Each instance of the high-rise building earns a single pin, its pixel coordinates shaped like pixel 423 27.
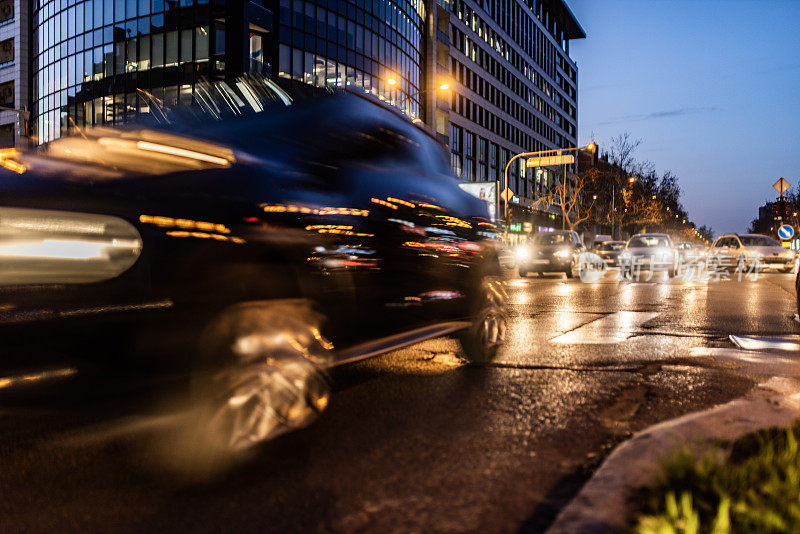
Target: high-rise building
pixel 13 71
pixel 516 90
pixel 490 78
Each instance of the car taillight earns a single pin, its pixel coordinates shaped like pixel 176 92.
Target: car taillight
pixel 59 247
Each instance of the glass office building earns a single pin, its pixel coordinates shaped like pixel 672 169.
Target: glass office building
pixel 376 45
pixel 101 61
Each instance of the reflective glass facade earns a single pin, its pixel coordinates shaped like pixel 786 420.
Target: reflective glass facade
pixel 359 43
pixel 100 61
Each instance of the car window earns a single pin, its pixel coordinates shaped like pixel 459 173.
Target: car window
pixel 550 239
pixel 758 241
pixel 611 246
pixel 648 241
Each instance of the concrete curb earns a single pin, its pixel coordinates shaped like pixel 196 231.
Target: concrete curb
pixel 602 504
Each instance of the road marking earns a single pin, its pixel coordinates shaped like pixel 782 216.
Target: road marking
pixel 791 343
pixel 612 328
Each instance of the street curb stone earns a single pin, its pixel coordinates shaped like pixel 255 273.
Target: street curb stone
pixel 602 505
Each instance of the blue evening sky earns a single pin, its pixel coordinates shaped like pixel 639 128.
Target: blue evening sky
pixel 711 87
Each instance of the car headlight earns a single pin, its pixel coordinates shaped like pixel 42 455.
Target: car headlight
pixel 562 253
pixel 523 253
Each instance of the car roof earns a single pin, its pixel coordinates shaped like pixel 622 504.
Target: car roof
pixel 648 234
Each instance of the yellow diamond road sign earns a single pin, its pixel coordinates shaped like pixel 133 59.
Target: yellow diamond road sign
pixel 781 186
pixel 507 194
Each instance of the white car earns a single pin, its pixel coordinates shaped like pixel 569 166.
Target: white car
pixel 649 252
pixel 745 251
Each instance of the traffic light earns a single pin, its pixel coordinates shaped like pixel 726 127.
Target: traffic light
pixel 780 209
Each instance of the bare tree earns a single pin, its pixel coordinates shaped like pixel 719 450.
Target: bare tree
pixel 622 150
pixel 571 197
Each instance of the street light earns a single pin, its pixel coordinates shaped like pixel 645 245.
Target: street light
pixel 592 147
pixel 444 86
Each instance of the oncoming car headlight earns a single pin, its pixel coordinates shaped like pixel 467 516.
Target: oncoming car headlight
pixel 523 252
pixel 562 253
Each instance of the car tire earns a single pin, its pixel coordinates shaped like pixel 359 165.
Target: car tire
pixel 570 272
pixel 787 269
pixel 261 373
pixel 487 329
pixel 523 274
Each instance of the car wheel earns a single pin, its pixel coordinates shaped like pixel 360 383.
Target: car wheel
pixel 570 272
pixel 261 374
pixel 787 269
pixel 523 274
pixel 487 330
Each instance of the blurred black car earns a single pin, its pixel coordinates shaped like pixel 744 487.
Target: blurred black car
pixel 609 251
pixel 547 252
pixel 241 258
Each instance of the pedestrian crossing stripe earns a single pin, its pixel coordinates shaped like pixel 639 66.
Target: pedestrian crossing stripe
pixel 613 328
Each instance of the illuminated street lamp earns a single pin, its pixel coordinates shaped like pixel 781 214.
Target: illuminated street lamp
pixel 443 86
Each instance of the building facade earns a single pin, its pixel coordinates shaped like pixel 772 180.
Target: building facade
pixel 491 78
pixel 516 91
pixel 13 71
pixel 103 61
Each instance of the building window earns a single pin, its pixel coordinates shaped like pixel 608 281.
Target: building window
pixel 7 135
pixel 6 10
pixel 469 145
pixel 455 163
pixel 6 52
pixel 455 138
pixel 7 94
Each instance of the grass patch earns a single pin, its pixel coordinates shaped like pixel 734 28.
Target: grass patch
pixel 752 485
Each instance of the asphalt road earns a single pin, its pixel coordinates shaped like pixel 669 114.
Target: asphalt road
pixel 417 440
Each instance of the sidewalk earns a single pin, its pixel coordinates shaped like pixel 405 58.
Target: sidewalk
pixel 602 505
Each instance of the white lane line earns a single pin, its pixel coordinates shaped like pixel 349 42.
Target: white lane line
pixel 791 343
pixel 612 328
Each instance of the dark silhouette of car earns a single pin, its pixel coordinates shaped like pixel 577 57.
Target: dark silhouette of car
pixel 244 258
pixel 609 251
pixel 547 252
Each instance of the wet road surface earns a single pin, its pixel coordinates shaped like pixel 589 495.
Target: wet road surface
pixel 417 440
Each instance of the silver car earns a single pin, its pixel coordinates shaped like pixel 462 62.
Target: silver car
pixel 746 251
pixel 649 252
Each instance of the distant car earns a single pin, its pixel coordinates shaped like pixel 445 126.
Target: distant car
pixel 649 252
pixel 599 239
pixel 744 251
pixel 701 253
pixel 686 251
pixel 609 251
pixel 549 252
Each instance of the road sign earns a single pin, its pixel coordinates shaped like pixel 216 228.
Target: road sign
pixel 507 194
pixel 551 160
pixel 786 232
pixel 781 186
